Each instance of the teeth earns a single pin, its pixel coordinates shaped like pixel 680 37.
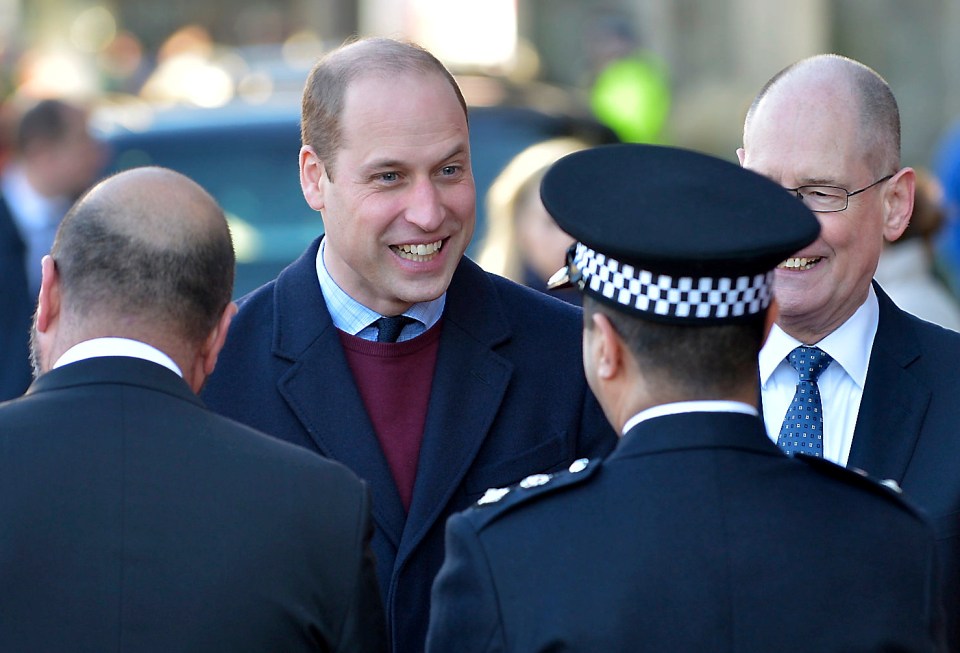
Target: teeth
pixel 418 253
pixel 799 263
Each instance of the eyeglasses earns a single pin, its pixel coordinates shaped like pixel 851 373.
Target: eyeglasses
pixel 829 199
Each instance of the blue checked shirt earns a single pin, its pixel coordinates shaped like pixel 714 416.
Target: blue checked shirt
pixel 354 318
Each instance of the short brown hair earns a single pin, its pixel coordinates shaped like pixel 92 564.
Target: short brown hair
pixel 328 81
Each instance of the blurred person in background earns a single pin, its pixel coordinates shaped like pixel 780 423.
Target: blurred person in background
pixel 827 128
pixel 383 346
pixel 133 518
pixel 55 159
pixel 946 166
pixel 907 270
pixel 522 242
pixel 628 84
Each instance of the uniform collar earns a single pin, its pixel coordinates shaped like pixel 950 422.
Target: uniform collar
pixel 679 407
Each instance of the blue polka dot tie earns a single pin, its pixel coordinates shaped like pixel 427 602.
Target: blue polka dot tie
pixel 802 430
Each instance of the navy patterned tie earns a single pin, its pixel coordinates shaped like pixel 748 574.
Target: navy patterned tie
pixel 802 430
pixel 389 328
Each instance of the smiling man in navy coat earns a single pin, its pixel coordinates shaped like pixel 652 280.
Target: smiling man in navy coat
pixel 828 128
pixel 479 388
pixel 697 533
pixel 131 517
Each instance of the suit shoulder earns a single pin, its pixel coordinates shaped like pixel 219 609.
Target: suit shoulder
pixel 927 332
pixel 535 299
pixel 497 502
pixel 887 489
pixel 265 449
pixel 257 299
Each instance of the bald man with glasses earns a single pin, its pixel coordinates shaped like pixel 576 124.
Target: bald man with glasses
pixel 845 374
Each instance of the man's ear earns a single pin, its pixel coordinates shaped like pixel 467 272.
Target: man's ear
pixel 898 203
pixel 48 301
pixel 741 155
pixel 312 174
pixel 207 359
pixel 609 351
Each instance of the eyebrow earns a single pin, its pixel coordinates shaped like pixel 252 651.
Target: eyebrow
pixel 819 181
pixel 380 164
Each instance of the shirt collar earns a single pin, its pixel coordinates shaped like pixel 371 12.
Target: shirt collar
pixel 850 344
pixel 678 407
pixel 100 347
pixel 352 317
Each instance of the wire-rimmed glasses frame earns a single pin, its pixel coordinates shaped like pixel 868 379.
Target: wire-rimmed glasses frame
pixel 829 199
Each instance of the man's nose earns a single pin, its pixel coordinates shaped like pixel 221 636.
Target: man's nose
pixel 425 208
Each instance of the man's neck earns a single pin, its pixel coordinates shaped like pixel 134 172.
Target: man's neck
pixel 812 329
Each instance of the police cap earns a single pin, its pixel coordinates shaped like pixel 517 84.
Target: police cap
pixel 670 234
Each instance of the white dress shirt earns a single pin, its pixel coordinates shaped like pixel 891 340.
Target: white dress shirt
pixel 841 383
pixel 100 347
pixel 679 407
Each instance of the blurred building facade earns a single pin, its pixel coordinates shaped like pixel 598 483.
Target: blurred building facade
pixel 717 52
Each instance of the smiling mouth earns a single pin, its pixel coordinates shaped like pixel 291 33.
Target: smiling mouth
pixel 799 263
pixel 418 253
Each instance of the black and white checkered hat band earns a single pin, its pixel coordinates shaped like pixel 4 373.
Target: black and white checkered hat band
pixel 687 298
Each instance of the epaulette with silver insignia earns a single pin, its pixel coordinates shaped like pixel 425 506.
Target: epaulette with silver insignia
pixel 888 487
pixel 525 488
pixel 493 495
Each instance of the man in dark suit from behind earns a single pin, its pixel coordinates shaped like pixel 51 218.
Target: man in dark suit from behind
pixel 697 533
pixel 132 518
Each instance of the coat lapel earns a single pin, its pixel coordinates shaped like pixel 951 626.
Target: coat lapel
pixel 894 400
pixel 321 392
pixel 470 382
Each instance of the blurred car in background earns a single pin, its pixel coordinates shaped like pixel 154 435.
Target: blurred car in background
pixel 246 156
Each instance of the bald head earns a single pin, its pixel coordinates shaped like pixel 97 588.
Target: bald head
pixel 146 250
pixel 831 122
pixel 841 89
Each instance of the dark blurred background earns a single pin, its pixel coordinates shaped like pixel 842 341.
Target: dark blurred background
pixel 673 71
pixel 717 52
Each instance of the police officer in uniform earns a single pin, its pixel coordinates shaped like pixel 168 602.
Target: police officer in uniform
pixel 697 533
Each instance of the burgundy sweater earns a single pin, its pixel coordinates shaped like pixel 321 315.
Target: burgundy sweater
pixel 394 380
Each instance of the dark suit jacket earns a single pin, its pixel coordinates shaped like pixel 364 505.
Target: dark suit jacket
pixel 508 399
pixel 908 429
pixel 133 519
pixel 697 534
pixel 16 309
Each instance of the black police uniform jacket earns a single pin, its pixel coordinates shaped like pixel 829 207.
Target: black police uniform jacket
pixel 697 534
pixel 133 519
